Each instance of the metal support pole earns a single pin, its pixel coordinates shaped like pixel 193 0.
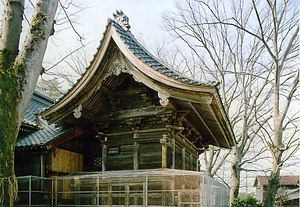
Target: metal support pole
pixel 29 193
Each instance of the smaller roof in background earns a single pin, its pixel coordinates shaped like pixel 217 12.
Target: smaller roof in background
pixel 38 103
pixel 41 133
pixel 285 180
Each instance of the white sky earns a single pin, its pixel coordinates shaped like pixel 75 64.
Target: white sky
pixel 145 18
pixel 144 15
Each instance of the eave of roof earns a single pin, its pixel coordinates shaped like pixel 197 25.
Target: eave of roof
pixel 40 138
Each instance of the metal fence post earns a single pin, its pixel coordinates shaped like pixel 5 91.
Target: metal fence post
pixel 29 192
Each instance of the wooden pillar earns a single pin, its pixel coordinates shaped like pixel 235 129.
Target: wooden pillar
pixel 173 153
pixel 174 130
pixel 104 158
pixel 136 156
pixel 192 162
pixel 164 151
pixel 183 158
pixel 42 165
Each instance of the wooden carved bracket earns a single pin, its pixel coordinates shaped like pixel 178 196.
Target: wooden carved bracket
pixel 166 141
pixel 163 99
pixel 77 111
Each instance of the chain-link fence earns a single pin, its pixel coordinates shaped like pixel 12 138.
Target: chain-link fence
pixel 163 187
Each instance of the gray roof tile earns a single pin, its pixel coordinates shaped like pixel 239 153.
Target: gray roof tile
pixel 144 55
pixel 43 133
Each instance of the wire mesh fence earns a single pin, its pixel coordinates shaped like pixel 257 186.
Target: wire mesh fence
pixel 163 187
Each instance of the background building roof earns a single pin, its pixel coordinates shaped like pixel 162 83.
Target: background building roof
pixel 285 180
pixel 34 131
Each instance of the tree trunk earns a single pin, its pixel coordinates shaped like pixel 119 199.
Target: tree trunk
pixel 9 98
pixel 235 179
pixel 235 175
pixel 274 180
pixel 273 185
pixel 19 71
pixel 8 134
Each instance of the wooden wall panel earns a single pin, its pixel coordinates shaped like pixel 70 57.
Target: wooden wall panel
pixel 123 160
pixel 150 156
pixel 64 161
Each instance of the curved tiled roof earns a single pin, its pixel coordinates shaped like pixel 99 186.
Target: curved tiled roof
pixel 144 55
pixel 37 104
pixel 41 102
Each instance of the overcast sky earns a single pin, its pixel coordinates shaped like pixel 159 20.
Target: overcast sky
pixel 145 18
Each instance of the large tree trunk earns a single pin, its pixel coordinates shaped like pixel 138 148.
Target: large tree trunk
pixel 273 185
pixel 8 135
pixel 274 179
pixel 19 71
pixel 9 98
pixel 235 177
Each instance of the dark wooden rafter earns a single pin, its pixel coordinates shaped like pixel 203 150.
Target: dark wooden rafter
pixel 202 120
pixel 187 144
pixel 76 132
pixel 182 117
pixel 126 114
pixel 219 123
pixel 106 90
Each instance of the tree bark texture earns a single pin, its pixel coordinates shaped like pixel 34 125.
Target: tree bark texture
pixel 8 135
pixel 19 71
pixel 235 176
pixel 271 192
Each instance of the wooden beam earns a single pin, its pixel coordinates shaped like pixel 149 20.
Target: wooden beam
pixel 136 131
pixel 105 90
pixel 220 125
pixel 85 114
pixel 125 114
pixel 78 131
pixel 129 92
pixel 133 113
pixel 189 96
pixel 202 120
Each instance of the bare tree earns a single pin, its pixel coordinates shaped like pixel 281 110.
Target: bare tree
pixel 19 72
pixel 69 68
pixel 67 64
pixel 50 88
pixel 20 66
pixel 250 46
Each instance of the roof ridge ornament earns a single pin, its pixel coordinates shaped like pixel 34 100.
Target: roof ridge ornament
pixel 122 19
